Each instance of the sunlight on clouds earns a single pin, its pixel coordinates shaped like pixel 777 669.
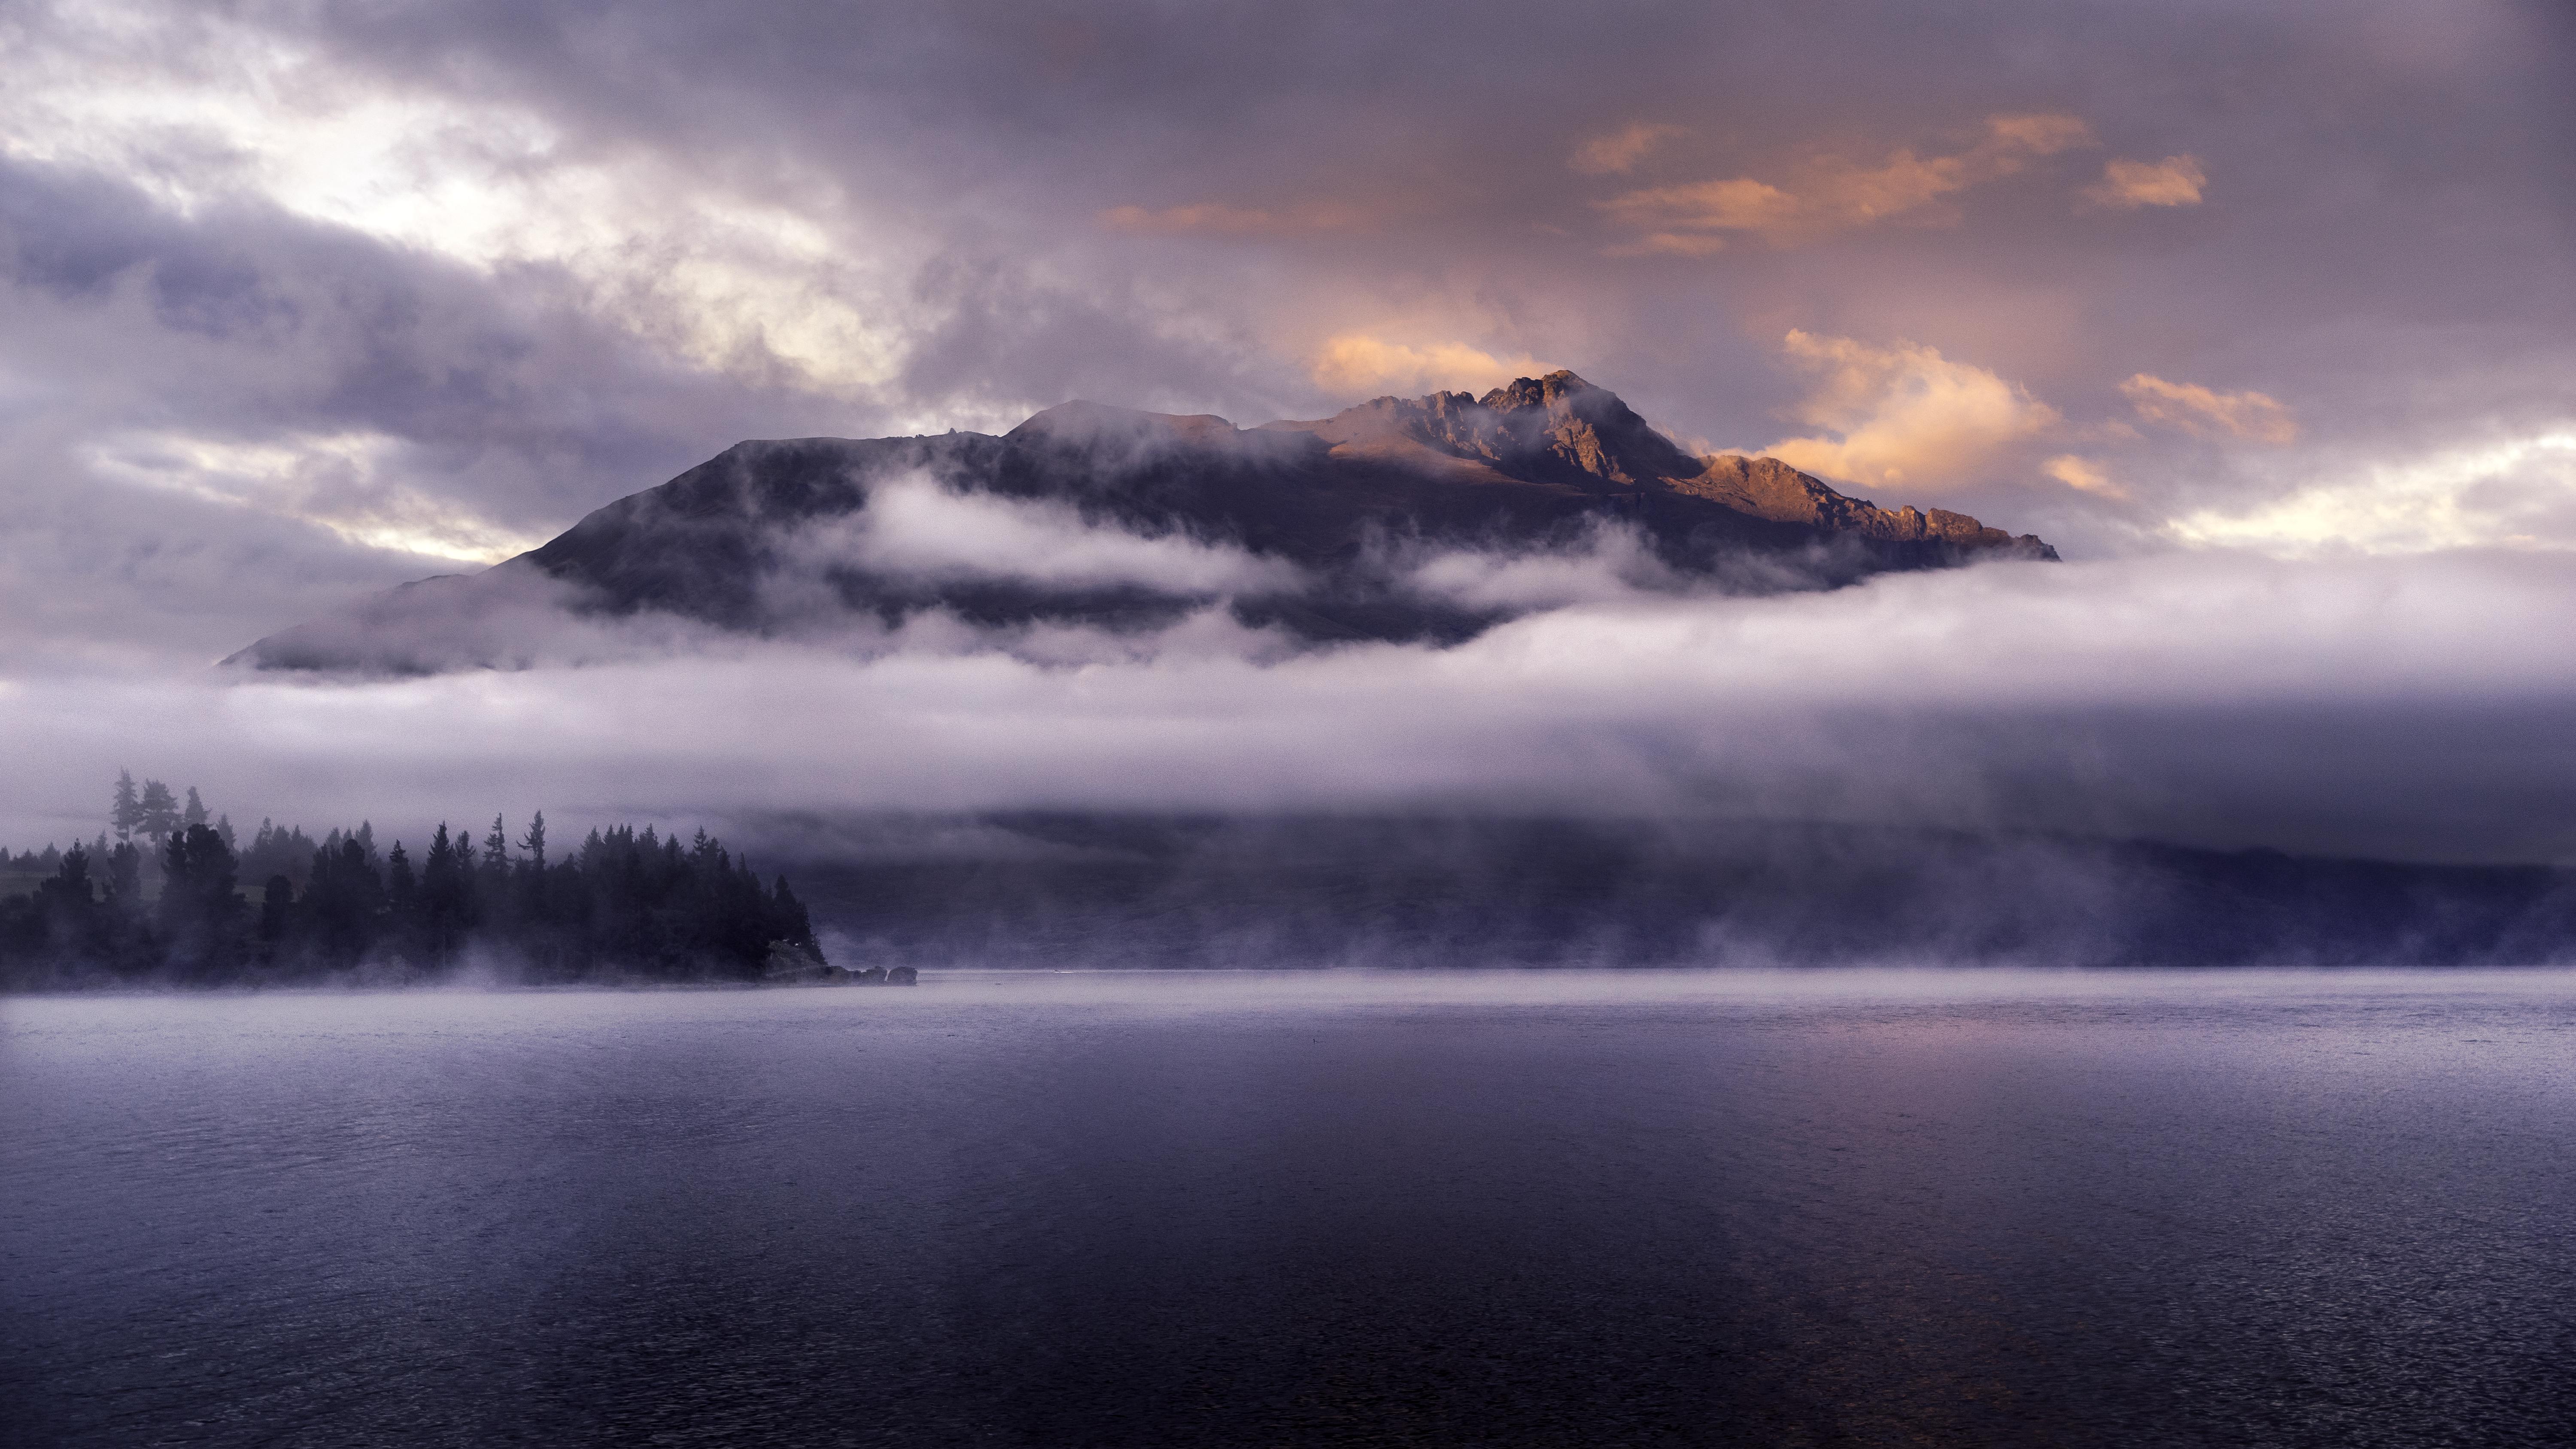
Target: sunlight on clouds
pixel 2128 185
pixel 1669 244
pixel 2203 413
pixel 1355 364
pixel 2083 475
pixel 1903 414
pixel 336 482
pixel 1621 150
pixel 1834 195
pixel 2517 494
pixel 720 280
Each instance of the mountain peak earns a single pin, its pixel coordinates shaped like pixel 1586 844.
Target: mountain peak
pixel 1567 428
pixel 1539 392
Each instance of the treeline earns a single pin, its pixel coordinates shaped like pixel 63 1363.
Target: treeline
pixel 179 906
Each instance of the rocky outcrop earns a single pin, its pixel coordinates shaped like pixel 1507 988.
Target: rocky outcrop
pixel 1769 488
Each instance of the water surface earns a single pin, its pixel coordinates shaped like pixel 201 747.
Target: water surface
pixel 1916 1208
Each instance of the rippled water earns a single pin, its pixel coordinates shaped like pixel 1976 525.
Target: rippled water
pixel 1051 1210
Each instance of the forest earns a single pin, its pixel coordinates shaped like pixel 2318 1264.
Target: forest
pixel 168 896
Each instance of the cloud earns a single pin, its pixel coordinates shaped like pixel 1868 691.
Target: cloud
pixel 1219 219
pixel 2410 707
pixel 1832 195
pixel 912 526
pixel 2082 474
pixel 2128 185
pixel 715 275
pixel 2512 493
pixel 1609 563
pixel 340 482
pixel 1903 415
pixel 1669 244
pixel 2203 413
pixel 1358 365
pixel 1618 152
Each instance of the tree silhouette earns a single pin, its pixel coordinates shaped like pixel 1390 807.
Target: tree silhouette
pixel 624 905
pixel 125 881
pixel 127 812
pixel 446 898
pixel 199 910
pixel 157 814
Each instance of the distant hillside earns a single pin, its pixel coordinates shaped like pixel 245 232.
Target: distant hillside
pixel 1087 890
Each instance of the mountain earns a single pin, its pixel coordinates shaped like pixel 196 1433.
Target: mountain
pixel 1125 520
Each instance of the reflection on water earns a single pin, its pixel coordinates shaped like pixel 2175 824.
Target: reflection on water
pixel 1928 1208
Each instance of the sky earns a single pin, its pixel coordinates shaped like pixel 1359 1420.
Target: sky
pixel 2265 316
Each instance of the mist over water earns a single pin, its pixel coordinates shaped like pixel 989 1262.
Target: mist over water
pixel 1322 1207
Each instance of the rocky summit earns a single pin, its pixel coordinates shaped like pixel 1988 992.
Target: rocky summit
pixel 1107 518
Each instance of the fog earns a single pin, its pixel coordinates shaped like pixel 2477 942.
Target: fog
pixel 431 1009
pixel 913 526
pixel 2407 707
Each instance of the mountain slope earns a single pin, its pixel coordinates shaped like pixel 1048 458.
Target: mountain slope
pixel 1122 520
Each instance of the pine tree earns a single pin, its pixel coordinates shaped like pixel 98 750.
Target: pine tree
pixel 157 814
pixel 402 901
pixel 534 842
pixel 276 901
pixel 125 881
pixel 127 812
pixel 789 922
pixel 199 911
pixel 67 919
pixel 446 896
pixel 195 812
pixel 344 902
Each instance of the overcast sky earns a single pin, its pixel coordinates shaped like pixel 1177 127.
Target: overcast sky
pixel 2256 302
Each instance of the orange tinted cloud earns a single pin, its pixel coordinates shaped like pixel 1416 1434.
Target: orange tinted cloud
pixel 2083 475
pixel 1903 414
pixel 2128 185
pixel 2204 413
pixel 1834 195
pixel 1620 150
pixel 1355 364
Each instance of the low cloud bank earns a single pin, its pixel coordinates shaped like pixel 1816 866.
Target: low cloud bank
pixel 913 526
pixel 2409 708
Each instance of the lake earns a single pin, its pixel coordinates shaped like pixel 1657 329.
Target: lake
pixel 1301 1208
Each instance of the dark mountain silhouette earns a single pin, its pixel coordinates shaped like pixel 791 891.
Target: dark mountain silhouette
pixel 1050 890
pixel 1325 513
